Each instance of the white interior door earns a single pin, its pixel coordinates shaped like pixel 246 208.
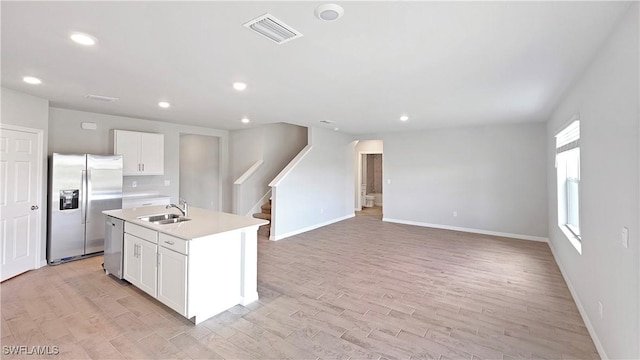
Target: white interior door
pixel 20 178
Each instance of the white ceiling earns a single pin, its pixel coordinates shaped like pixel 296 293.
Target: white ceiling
pixel 441 63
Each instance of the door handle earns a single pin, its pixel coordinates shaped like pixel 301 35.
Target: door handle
pixel 83 198
pixel 34 207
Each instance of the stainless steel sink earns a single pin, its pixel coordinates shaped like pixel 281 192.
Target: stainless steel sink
pixel 171 221
pixel 162 219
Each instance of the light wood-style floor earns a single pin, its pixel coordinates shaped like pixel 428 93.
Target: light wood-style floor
pixel 358 289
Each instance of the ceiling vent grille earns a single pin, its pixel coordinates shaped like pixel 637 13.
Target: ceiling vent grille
pixel 273 29
pixel 101 98
pixel 326 121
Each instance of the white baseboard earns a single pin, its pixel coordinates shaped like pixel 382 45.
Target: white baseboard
pixel 42 263
pixel 246 300
pixel 309 228
pixel 475 231
pixel 583 313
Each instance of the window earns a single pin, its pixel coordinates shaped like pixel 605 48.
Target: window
pixel 568 170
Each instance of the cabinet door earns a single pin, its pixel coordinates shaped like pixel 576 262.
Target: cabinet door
pixel 172 280
pixel 131 265
pixel 148 256
pixel 152 153
pixel 127 145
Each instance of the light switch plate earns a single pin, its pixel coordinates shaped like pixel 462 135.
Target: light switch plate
pixel 167 182
pixel 134 184
pixel 625 237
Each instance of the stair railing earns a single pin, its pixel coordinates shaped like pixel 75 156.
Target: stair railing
pixel 237 205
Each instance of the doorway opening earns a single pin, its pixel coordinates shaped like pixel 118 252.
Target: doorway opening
pixel 200 171
pixel 369 178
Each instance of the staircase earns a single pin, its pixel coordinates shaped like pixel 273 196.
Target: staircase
pixel 264 230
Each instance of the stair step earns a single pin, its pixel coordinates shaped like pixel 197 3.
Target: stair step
pixel 262 216
pixel 266 208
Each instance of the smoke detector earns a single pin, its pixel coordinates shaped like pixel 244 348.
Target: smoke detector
pixel 273 29
pixel 329 12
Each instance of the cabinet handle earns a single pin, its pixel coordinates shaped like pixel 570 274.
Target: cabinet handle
pixel 158 256
pixel 142 167
pixel 136 250
pixel 169 242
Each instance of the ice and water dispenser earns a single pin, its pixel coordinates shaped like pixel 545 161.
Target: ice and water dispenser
pixel 69 199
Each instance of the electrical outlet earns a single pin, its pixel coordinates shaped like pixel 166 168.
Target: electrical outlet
pixel 600 310
pixel 167 182
pixel 625 237
pixel 455 214
pixel 134 184
pixel 321 210
pixel 389 181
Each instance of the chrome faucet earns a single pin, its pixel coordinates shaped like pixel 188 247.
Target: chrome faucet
pixel 184 210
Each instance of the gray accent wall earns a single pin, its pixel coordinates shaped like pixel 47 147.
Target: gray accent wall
pixel 492 177
pixel 607 98
pixel 66 136
pixel 276 144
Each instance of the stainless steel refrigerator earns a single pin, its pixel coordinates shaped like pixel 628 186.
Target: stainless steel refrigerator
pixel 80 188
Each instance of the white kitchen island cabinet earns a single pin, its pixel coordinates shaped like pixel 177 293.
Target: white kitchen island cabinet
pixel 199 267
pixel 140 263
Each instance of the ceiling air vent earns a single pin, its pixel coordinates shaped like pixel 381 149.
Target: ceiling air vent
pixel 101 98
pixel 326 121
pixel 273 29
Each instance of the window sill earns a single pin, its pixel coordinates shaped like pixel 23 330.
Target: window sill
pixel 573 239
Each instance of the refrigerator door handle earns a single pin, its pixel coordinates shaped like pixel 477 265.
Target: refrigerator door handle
pixel 88 196
pixel 83 198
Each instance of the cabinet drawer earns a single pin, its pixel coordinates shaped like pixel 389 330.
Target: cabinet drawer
pixel 173 243
pixel 141 232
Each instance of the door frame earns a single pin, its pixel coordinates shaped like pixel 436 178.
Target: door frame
pixel 359 197
pixel 40 194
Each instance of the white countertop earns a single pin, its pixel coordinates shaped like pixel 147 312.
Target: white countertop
pixel 203 222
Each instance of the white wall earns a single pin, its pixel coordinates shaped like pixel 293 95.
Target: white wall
pixel 317 190
pixel 24 110
pixel 607 99
pixel 494 177
pixel 66 136
pixel 274 144
pixel 200 171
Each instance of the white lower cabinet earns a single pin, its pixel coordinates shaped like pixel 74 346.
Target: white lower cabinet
pixel 172 280
pixel 140 263
pixel 159 270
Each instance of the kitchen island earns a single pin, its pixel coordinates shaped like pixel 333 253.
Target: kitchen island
pixel 197 267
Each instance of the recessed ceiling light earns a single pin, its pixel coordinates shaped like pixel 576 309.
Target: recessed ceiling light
pixel 240 86
pixel 404 118
pixel 83 39
pixel 32 80
pixel 336 129
pixel 329 12
pixel 164 104
pixel 245 120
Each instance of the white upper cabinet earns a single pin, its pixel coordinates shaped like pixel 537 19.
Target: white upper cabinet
pixel 143 153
